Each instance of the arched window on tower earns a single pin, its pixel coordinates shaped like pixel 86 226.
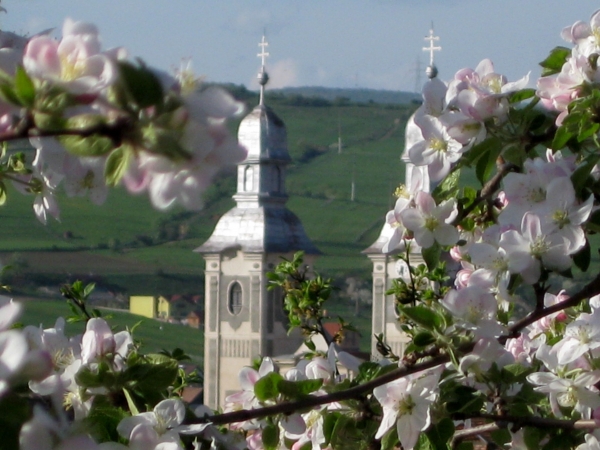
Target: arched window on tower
pixel 235 298
pixel 248 178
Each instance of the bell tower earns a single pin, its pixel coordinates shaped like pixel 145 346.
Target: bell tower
pixel 244 321
pixel 386 266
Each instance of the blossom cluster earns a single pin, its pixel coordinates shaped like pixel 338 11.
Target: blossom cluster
pixel 96 118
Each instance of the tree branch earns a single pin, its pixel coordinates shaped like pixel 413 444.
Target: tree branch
pixel 486 191
pixel 114 131
pixel 499 422
pixel 313 401
pixel 589 290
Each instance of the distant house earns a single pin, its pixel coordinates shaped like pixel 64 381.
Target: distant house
pixel 195 319
pixel 153 307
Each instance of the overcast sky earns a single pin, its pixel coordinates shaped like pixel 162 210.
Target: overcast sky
pixel 335 43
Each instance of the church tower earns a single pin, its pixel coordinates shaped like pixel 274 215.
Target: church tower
pixel 386 266
pixel 244 321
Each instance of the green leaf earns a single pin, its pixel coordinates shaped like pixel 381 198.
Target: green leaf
pixel 562 136
pixel 532 437
pixel 423 339
pixel 581 175
pixel 148 378
pixel 587 130
pixel 130 403
pixel 103 418
pixel 9 95
pixel 15 410
pixel 143 86
pixel 85 377
pixel 440 434
pixel 24 88
pixel 432 255
pixel 491 144
pixel 94 145
pixel 487 163
pixel 270 437
pixel 583 257
pixel 501 436
pixel 464 446
pixel 116 165
pixel 310 344
pixel 555 60
pixel 2 193
pixel 390 439
pixel 514 153
pixel 448 187
pixel 267 387
pixel 521 95
pixel 297 389
pixel 423 316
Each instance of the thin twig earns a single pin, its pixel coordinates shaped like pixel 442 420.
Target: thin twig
pixel 314 401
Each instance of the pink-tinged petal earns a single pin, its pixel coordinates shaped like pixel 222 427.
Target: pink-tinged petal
pixel 214 102
pixel 408 432
pixel 570 350
pixel 438 168
pixel 144 420
pixel 171 412
pixel 424 237
pixel 293 424
pixel 556 258
pixel 425 202
pixel 447 211
pixel 531 226
pixel 266 366
pixel 41 57
pixel 412 219
pixel 485 67
pixel 143 437
pixel 580 30
pixel 446 235
pixel 248 378
pixel 416 153
pixel 387 422
pixel 97 340
pixel 483 254
pixel 402 204
pixel 587 379
pixel 580 214
pixel 13 350
pixel 9 312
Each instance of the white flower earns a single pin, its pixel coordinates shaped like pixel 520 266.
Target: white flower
pixel 406 403
pixel 437 151
pixel 429 222
pixel 528 250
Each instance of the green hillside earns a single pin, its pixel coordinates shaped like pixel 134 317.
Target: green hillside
pixel 127 245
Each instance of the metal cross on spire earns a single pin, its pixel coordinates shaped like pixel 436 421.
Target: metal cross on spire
pixel 431 38
pixel 263 55
pixel 263 77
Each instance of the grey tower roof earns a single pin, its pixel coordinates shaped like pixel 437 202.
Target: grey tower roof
pixel 260 222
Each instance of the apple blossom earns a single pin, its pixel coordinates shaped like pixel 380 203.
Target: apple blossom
pixel 430 222
pixel 438 151
pixel 406 404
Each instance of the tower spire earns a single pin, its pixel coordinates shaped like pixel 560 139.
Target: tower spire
pixel 431 38
pixel 263 77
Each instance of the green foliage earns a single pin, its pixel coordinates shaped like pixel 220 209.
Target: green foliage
pixel 143 87
pixel 555 60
